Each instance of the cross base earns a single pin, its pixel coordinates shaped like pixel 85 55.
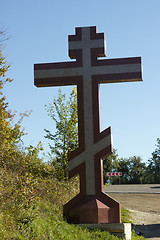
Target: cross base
pixel 92 209
pixel 120 230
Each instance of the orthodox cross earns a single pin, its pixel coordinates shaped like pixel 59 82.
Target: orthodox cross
pixel 87 72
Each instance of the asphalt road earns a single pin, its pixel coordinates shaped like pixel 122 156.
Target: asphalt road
pixel 133 188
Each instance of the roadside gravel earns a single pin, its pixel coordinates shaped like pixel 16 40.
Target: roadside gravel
pixel 145 211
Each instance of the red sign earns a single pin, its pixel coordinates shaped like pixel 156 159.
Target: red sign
pixel 114 174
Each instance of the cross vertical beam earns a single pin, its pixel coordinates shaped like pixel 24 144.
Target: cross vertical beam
pixel 91 205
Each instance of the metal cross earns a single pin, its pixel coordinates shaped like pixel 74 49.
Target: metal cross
pixel 87 72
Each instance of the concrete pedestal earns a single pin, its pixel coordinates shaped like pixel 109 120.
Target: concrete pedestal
pixel 92 209
pixel 121 230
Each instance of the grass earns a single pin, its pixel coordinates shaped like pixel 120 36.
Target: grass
pixel 44 222
pixel 126 216
pixel 31 205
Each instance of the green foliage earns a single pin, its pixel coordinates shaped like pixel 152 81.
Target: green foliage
pixel 32 199
pixel 132 168
pixel 124 167
pixel 43 223
pixel 31 206
pixel 10 132
pixel 153 168
pixel 65 139
pixel 137 170
pixel 126 216
pixel 136 237
pixel 110 164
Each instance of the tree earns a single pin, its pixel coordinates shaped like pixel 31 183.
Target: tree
pixel 65 139
pixel 132 168
pixel 153 168
pixel 10 132
pixel 110 164
pixel 124 167
pixel 137 170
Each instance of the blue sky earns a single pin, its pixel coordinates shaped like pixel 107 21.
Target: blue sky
pixel 38 32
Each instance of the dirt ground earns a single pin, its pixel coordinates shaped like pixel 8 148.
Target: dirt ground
pixel 145 210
